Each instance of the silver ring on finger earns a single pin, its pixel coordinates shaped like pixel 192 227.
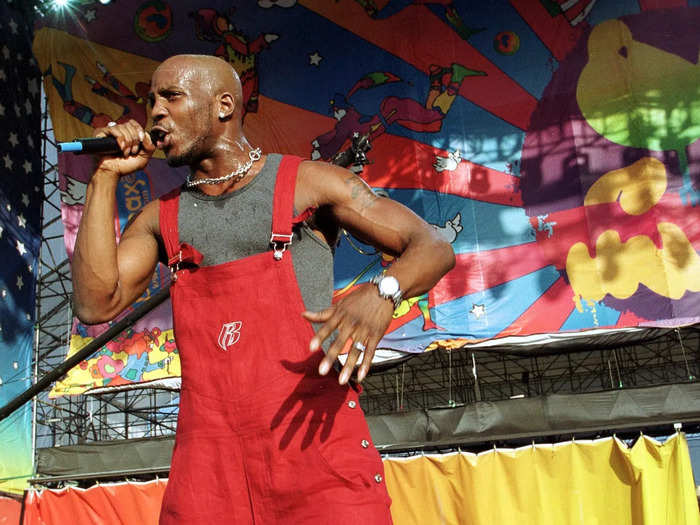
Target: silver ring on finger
pixel 359 346
pixel 111 124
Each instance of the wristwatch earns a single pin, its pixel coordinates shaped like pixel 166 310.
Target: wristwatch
pixel 388 288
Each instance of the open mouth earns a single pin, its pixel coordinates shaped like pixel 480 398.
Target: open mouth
pixel 159 137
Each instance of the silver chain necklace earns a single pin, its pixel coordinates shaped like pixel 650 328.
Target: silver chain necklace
pixel 236 175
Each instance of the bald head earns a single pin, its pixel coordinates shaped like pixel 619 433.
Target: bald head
pixel 210 74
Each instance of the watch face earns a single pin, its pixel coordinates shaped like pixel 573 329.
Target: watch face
pixel 389 285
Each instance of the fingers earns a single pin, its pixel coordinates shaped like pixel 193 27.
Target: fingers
pixel 324 316
pixel 130 137
pixel 318 317
pixel 349 366
pixel 337 348
pixel 367 357
pixel 358 322
pixel 147 142
pixel 354 347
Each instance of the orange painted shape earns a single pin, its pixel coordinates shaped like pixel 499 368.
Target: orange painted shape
pixel 282 128
pixel 398 162
pixel 631 319
pixel 401 163
pixel 478 271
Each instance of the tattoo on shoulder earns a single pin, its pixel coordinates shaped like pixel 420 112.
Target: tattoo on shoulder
pixel 360 192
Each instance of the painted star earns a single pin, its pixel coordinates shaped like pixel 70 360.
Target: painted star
pixel 18 110
pixel 478 310
pixel 3 293
pixel 13 139
pixel 90 15
pixel 33 87
pixel 2 75
pixel 13 26
pixel 2 110
pixel 8 161
pixel 8 207
pixel 20 282
pixel 30 268
pixel 315 59
pixel 25 199
pixel 30 140
pixel 27 166
pixel 21 221
pixel 20 248
pixel 6 52
pixel 28 106
pixel 1 230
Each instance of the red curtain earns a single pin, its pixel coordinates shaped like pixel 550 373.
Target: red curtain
pixel 98 504
pixel 9 511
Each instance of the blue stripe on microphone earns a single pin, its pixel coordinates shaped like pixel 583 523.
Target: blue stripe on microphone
pixel 70 146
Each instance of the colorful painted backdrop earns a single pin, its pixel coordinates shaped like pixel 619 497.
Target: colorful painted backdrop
pixel 553 143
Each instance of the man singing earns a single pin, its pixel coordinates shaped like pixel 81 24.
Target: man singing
pixel 269 430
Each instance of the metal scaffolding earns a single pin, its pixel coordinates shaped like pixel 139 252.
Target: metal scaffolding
pixel 464 376
pixel 69 420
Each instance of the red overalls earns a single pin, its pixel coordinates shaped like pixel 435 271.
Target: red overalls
pixel 262 437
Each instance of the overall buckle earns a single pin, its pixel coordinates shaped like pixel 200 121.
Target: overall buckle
pixel 174 264
pixel 280 242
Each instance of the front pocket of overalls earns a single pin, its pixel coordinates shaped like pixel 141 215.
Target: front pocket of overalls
pixel 354 471
pixel 351 459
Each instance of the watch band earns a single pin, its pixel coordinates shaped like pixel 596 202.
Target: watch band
pixel 395 297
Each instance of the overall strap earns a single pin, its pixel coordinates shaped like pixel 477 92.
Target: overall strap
pixel 169 205
pixel 283 206
pixel 178 253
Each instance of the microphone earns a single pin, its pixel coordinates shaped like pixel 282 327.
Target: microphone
pixel 99 145
pixel 104 145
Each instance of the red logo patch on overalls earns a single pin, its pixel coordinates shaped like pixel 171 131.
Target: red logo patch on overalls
pixel 230 334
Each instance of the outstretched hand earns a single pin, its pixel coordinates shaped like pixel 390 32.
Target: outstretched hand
pixel 361 320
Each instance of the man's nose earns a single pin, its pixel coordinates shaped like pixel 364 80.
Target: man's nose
pixel 158 111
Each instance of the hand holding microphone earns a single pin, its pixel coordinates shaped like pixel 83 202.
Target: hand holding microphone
pixel 122 148
pixel 96 145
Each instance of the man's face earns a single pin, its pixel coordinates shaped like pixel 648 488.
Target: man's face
pixel 182 113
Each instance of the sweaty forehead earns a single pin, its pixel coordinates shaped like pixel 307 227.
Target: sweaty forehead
pixel 195 74
pixel 171 74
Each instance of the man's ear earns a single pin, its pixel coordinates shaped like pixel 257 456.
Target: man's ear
pixel 227 105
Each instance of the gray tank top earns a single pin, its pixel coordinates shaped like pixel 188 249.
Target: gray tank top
pixel 238 224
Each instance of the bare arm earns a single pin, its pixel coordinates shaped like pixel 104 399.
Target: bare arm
pixel 108 277
pixel 423 257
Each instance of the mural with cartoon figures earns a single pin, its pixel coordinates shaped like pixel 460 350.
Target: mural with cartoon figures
pixel 553 143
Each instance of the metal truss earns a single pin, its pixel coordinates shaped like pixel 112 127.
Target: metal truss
pixel 464 376
pixel 436 378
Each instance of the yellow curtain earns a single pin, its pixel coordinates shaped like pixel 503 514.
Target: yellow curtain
pixel 600 482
